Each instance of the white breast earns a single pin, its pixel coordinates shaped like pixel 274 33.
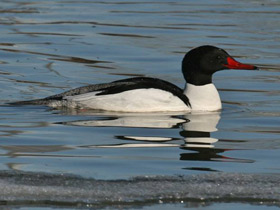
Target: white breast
pixel 203 97
pixel 138 100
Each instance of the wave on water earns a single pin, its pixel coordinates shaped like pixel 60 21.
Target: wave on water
pixel 42 189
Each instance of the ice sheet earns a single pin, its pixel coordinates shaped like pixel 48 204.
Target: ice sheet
pixel 26 188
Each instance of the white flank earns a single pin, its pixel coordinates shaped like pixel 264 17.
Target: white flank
pixel 138 100
pixel 204 97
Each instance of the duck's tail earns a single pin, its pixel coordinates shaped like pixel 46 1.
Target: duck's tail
pixel 30 102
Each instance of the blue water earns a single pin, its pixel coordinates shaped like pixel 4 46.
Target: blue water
pixel 47 47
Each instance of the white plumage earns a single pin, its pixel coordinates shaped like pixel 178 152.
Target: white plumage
pixel 203 97
pixel 138 100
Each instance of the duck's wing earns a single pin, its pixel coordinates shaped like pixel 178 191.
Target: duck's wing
pixel 114 88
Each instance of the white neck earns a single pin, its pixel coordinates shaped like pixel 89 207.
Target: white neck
pixel 203 97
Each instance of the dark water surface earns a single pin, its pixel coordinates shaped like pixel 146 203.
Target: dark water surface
pixel 47 47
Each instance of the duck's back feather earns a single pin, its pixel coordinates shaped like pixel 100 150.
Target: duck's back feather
pixel 115 87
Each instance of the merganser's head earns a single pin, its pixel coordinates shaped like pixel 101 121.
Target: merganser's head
pixel 202 62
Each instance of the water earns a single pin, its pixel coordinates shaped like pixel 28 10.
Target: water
pixel 48 47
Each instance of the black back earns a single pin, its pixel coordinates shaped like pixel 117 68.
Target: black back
pixel 125 85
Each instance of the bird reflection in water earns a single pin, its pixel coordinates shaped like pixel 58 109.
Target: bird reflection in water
pixel 195 131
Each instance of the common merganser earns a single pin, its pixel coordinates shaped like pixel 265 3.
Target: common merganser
pixel 145 94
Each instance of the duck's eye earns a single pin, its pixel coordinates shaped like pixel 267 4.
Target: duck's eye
pixel 219 57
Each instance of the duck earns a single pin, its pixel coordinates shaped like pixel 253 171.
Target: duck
pixel 146 94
